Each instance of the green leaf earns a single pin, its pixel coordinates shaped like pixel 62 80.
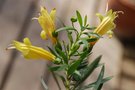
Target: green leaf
pixel 91 28
pixel 68 47
pixel 85 20
pixel 76 64
pixel 58 68
pixel 92 39
pixel 91 85
pixel 106 79
pixel 83 64
pixel 76 76
pixel 99 80
pixel 77 73
pixel 86 40
pixel 74 50
pixel 85 43
pixel 100 64
pixel 83 28
pixel 52 51
pixel 100 86
pixel 84 55
pixel 64 28
pixel 65 48
pixel 100 16
pixel 58 45
pixel 73 67
pixel 89 34
pixel 79 17
pixel 87 86
pixel 94 35
pixel 89 70
pixel 62 54
pixel 70 37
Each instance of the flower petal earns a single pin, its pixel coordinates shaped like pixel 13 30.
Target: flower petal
pixel 53 14
pixel 100 17
pixel 33 52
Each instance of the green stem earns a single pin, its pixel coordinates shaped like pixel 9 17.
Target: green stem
pixel 67 82
pixel 56 80
pixel 72 46
pixel 68 56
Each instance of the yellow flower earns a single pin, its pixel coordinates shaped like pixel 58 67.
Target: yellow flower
pixel 47 22
pixel 107 23
pixel 33 52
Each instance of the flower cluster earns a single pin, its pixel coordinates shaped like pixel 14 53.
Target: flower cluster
pixel 70 57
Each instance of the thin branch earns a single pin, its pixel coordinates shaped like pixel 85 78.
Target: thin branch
pixel 56 80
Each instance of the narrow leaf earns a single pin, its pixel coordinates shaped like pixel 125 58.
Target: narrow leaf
pixel 70 37
pixel 87 86
pixel 100 86
pixel 74 50
pixel 85 43
pixel 91 28
pixel 92 39
pixel 58 45
pixel 58 68
pixel 106 79
pixel 85 20
pixel 52 51
pixel 73 67
pixel 62 54
pixel 76 76
pixel 89 70
pixel 79 17
pixel 91 85
pixel 84 55
pixel 99 80
pixel 64 28
pixel 83 64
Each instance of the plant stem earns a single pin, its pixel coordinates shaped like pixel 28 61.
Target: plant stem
pixel 56 80
pixel 67 82
pixel 68 85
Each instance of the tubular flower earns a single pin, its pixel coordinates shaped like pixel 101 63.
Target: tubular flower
pixel 32 52
pixel 47 22
pixel 107 23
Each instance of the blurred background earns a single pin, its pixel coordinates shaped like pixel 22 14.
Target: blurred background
pixel 16 73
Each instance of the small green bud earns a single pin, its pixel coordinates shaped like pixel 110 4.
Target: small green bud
pixel 74 19
pixel 57 61
pixel 55 34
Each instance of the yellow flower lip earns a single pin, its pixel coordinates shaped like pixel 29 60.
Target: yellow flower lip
pixel 107 23
pixel 32 52
pixel 47 22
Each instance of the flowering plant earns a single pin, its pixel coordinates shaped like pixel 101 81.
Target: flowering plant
pixel 70 58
